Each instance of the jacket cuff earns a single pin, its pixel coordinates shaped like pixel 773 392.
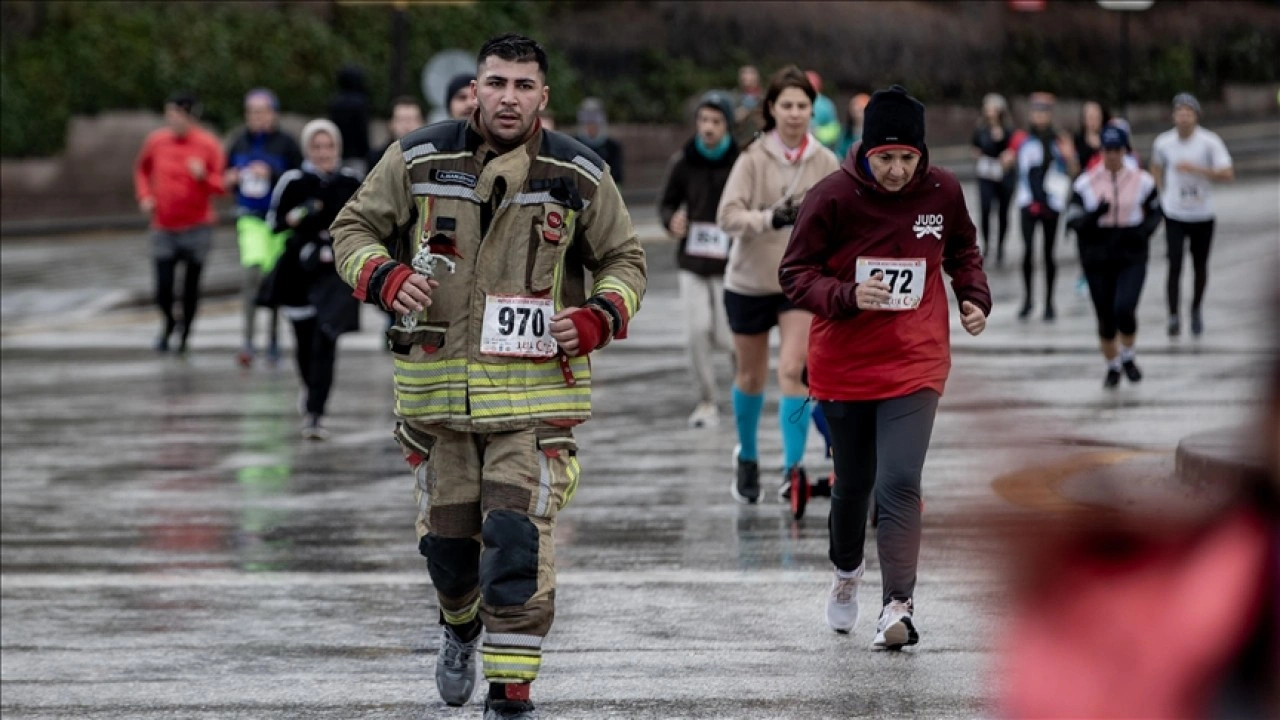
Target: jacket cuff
pixel 361 292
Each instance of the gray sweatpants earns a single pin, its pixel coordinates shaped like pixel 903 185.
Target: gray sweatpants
pixel 706 327
pixel 880 445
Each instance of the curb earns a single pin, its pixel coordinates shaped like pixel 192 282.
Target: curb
pixel 1217 457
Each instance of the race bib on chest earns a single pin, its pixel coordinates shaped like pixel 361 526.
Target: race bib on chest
pixel 905 279
pixel 990 168
pixel 517 326
pixel 708 241
pixel 253 185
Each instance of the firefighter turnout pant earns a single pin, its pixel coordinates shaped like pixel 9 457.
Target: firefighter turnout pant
pixel 487 505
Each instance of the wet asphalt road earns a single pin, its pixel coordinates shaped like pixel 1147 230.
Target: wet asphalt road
pixel 172 548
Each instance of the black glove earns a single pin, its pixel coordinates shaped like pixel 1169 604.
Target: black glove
pixel 784 216
pixel 1103 208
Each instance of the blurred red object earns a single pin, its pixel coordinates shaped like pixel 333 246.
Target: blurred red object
pixel 1027 5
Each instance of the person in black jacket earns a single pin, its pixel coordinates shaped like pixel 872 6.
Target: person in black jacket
pixel 349 111
pixel 593 131
pixel 995 179
pixel 305 283
pixel 688 201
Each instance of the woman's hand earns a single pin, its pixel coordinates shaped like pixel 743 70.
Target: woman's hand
pixel 972 318
pixel 872 294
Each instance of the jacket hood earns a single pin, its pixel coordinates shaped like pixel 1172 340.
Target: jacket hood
pixel 853 165
pixel 773 147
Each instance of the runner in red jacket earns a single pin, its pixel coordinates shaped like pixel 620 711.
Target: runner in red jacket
pixel 866 258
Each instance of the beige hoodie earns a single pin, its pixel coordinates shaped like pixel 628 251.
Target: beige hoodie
pixel 760 181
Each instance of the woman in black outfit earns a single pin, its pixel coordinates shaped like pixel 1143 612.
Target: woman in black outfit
pixel 995 176
pixel 305 284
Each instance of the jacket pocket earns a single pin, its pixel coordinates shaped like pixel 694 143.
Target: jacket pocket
pixel 550 235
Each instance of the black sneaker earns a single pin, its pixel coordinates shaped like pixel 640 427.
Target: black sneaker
pixel 1113 378
pixel 746 486
pixel 1025 312
pixel 822 487
pixel 1197 323
pixel 509 710
pixel 1049 314
pixel 1174 327
pixel 1131 371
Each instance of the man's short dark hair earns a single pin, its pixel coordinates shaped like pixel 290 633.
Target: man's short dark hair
pixel 405 100
pixel 514 48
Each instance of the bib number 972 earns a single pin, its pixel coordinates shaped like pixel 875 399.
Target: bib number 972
pixel 905 278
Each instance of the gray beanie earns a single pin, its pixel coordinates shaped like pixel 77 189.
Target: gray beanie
pixel 1188 100
pixel 717 100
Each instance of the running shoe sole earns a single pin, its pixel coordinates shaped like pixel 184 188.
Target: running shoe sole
pixel 897 636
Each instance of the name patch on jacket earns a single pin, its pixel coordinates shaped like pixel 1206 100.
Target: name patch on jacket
pixel 453 177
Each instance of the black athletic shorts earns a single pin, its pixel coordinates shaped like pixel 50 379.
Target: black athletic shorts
pixel 754 314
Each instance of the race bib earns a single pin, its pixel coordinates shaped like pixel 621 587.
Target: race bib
pixel 708 241
pixel 253 185
pixel 518 327
pixel 990 168
pixel 905 279
pixel 1057 186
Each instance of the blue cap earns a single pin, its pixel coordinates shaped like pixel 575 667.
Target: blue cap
pixel 1114 138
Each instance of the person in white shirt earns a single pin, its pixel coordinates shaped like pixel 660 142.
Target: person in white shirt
pixel 1186 161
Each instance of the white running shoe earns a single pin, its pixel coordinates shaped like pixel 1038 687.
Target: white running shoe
pixel 706 415
pixel 842 601
pixel 313 430
pixel 896 628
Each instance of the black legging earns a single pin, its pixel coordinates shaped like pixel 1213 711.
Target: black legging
pixel 1115 286
pixel 1201 236
pixel 166 271
pixel 1048 220
pixel 880 445
pixel 994 193
pixel 317 354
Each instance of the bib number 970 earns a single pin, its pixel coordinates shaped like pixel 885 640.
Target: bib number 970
pixel 518 327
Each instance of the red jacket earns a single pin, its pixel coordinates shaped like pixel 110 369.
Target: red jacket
pixel 877 354
pixel 162 173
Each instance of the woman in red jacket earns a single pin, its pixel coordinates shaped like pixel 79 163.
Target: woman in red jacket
pixel 866 258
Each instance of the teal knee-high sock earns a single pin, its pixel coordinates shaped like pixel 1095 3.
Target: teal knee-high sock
pixel 793 418
pixel 746 412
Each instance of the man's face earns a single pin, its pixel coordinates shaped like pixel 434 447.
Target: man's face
pixel 1184 118
pixel 510 94
pixel 1041 118
pixel 259 116
pixel 711 126
pixel 748 78
pixel 404 120
pixel 177 119
pixel 463 103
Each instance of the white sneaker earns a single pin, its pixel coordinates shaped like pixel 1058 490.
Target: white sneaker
pixel 706 415
pixel 842 601
pixel 312 430
pixel 896 627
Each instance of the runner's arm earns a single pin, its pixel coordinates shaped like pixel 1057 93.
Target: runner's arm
pixel 962 260
pixel 613 254
pixel 673 192
pixel 380 209
pixel 735 215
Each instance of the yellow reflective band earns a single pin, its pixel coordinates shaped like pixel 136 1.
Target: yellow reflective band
pixel 526 375
pixel 463 617
pixel 572 166
pixel 573 472
pixel 612 284
pixel 350 270
pixel 526 660
pixel 440 156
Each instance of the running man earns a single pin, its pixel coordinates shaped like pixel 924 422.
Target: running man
pixel 491 363
pixel 256 161
pixel 1186 161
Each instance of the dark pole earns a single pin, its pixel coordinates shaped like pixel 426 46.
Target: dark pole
pixel 1124 64
pixel 398 41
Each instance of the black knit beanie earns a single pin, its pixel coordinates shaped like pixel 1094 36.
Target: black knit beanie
pixel 893 118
